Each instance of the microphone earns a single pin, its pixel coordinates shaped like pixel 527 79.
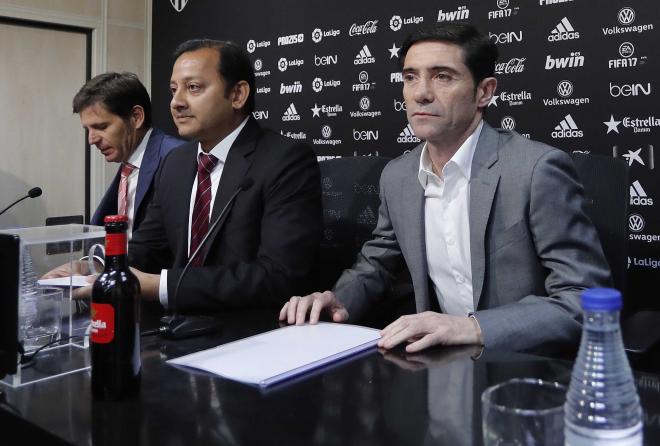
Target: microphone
pixel 176 326
pixel 32 193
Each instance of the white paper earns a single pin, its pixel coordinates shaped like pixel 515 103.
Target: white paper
pixel 283 353
pixel 74 281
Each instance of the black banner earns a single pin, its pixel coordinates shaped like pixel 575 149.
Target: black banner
pixel 578 75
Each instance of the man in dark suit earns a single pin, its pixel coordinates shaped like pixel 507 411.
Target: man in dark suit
pixel 116 111
pixel 265 247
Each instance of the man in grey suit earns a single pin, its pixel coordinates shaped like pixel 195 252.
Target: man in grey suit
pixel 491 225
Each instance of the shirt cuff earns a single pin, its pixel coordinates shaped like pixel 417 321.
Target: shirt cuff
pixel 162 288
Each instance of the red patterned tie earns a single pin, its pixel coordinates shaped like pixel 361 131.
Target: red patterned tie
pixel 202 209
pixel 126 170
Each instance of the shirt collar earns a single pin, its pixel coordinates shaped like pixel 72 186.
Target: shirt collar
pixel 462 158
pixel 136 157
pixel 221 150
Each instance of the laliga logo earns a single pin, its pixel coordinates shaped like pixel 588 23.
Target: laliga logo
pixel 395 23
pixel 317 35
pixel 178 5
pixel 251 46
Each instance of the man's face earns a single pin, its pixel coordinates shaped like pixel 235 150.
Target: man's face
pixel 439 92
pixel 199 106
pixel 115 137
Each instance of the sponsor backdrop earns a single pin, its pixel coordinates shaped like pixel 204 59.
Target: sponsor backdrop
pixel 579 75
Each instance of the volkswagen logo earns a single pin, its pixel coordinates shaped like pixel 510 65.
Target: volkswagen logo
pixel 635 222
pixel 365 103
pixel 502 4
pixel 317 35
pixel 326 131
pixel 251 46
pixel 626 49
pixel 508 123
pixel 258 65
pixel 626 15
pixel 565 89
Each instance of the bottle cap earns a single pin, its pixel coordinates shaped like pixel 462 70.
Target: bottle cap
pixel 115 219
pixel 601 299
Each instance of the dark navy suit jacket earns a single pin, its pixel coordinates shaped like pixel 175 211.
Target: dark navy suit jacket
pixel 158 146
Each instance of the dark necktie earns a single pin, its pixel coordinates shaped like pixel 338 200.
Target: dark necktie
pixel 202 209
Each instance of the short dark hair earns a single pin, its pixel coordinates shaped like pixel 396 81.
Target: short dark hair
pixel 117 92
pixel 235 65
pixel 479 52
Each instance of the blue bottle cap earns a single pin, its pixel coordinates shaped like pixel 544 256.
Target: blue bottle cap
pixel 601 299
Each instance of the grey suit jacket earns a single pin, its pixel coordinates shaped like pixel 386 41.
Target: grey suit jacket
pixel 533 249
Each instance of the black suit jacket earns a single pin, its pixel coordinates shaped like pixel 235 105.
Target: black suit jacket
pixel 266 248
pixel 158 146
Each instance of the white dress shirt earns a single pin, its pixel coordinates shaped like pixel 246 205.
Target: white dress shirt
pixel 136 160
pixel 447 226
pixel 220 151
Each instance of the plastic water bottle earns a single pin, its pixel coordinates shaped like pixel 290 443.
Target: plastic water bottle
pixel 28 301
pixel 602 406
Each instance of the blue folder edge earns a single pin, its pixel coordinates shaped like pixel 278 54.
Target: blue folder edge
pixel 317 364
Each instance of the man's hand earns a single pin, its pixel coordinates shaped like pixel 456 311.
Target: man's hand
pixel 426 329
pixel 75 268
pixel 295 310
pixel 149 284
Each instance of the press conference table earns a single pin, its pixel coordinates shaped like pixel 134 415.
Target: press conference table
pixel 372 399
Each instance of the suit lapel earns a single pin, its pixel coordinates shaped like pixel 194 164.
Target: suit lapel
pixel 238 162
pixel 181 200
pixel 148 168
pixel 483 186
pixel 414 241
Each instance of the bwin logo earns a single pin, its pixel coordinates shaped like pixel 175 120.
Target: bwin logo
pixel 407 135
pixel 364 57
pixel 178 5
pixel 567 128
pixel 365 135
pixel 291 114
pixel 296 87
pixel 462 13
pixel 638 196
pixel 508 37
pixel 573 61
pixel 563 31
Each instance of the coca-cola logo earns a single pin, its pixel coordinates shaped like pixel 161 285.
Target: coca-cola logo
pixel 515 65
pixel 369 27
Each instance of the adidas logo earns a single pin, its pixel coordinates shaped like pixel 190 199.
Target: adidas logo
pixel 638 196
pixel 364 56
pixel 563 31
pixel 291 114
pixel 407 135
pixel 567 128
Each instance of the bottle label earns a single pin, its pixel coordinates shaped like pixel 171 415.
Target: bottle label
pixel 582 436
pixel 103 323
pixel 115 244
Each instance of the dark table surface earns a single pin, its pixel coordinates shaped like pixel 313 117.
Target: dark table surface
pixel 375 398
